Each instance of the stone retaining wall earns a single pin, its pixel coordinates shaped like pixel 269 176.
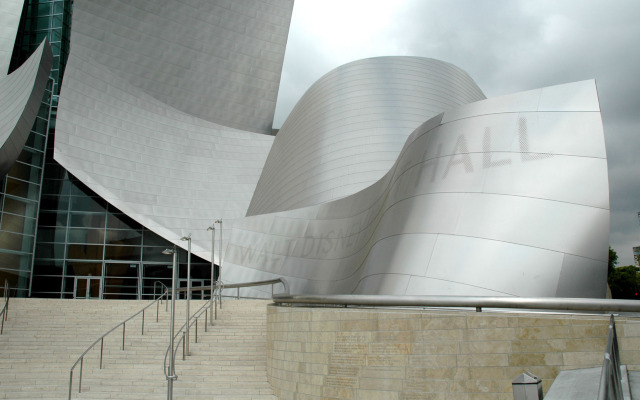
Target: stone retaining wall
pixel 348 353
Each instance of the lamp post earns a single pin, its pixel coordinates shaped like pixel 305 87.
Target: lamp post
pixel 219 221
pixel 212 228
pixel 188 296
pixel 172 362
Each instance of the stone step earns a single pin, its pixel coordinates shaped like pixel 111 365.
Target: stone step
pixel 44 337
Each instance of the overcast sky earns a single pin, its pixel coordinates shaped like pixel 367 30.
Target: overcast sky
pixel 506 46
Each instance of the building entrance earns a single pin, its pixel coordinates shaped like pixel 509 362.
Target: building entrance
pixel 87 287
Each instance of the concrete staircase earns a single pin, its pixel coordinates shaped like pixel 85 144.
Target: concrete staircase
pixel 44 337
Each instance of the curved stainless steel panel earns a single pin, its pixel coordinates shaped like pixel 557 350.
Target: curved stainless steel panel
pixel 150 105
pixel 348 129
pixel 506 196
pixel 10 12
pixel 213 59
pixel 502 197
pixel 20 96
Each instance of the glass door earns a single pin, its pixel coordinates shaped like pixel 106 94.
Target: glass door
pixel 87 287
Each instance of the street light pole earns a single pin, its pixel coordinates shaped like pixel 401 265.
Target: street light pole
pixel 213 245
pixel 219 221
pixel 188 296
pixel 172 362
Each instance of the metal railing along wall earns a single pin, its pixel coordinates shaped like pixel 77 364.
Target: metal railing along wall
pixel 80 360
pixel 477 302
pixel 611 376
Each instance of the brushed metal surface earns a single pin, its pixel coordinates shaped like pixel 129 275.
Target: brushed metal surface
pixel 391 176
pixel 492 200
pixel 10 12
pixel 347 130
pixel 20 96
pixel 161 103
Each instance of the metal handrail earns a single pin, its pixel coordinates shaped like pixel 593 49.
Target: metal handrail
pixel 196 315
pixel 101 338
pixel 271 282
pixel 477 302
pixel 5 309
pixel 193 320
pixel 611 376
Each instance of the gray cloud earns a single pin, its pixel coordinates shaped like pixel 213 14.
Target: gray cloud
pixel 506 46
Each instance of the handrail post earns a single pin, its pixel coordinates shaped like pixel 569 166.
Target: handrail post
pixel 196 330
pixel 157 308
pixel 238 293
pixel 70 382
pixel 142 331
pixel 80 379
pixel 205 318
pixel 183 345
pixel 124 328
pixel 101 350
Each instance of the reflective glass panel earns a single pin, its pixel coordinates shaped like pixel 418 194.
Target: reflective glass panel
pixel 85 251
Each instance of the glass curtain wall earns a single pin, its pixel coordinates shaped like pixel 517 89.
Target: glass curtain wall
pixel 20 188
pixel 19 197
pixel 83 240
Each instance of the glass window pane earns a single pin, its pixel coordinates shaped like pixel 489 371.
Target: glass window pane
pixel 49 250
pixel 43 285
pixel 20 207
pixel 47 267
pixel 121 221
pixel 15 242
pixel 22 189
pixel 56 35
pixel 90 236
pixel 18 224
pixel 31 157
pixel 13 264
pixel 40 126
pixel 44 9
pixel 85 252
pixel 36 141
pixel 85 203
pixel 155 254
pixel 151 239
pixel 87 220
pixel 52 219
pixel 122 253
pixel 52 234
pixel 55 186
pixel 57 21
pixel 127 237
pixel 78 268
pixel 25 172
pixel 59 7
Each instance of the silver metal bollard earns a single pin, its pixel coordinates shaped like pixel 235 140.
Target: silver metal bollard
pixel 527 386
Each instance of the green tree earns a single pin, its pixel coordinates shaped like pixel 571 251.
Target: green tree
pixel 624 281
pixel 613 260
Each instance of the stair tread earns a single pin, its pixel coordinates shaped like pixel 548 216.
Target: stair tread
pixel 44 337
